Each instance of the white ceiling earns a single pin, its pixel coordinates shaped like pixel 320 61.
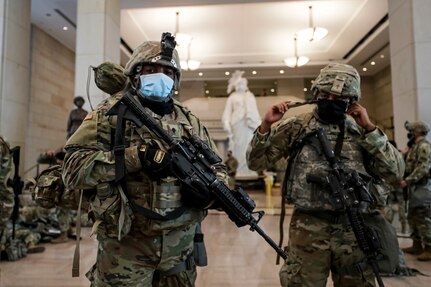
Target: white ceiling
pixel 247 35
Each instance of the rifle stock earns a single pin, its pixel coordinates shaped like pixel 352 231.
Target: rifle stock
pixel 192 164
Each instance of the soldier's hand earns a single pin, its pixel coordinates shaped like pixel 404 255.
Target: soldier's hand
pixel 275 113
pixel 155 162
pixel 360 115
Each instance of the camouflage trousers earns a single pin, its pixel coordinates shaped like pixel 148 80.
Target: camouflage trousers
pixel 318 246
pixel 420 223
pixel 137 260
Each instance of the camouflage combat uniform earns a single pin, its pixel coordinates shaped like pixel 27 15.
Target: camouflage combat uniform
pixel 6 192
pixel 135 250
pixel 318 239
pixel 418 165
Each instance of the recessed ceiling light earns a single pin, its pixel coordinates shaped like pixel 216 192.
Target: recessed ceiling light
pixel 281 71
pixel 372 63
pixel 364 69
pixel 382 56
pixel 272 90
pixel 254 72
pixel 207 92
pixel 227 73
pixel 65 28
pixel 200 74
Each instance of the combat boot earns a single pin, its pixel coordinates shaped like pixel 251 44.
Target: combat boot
pixel 426 254
pixel 61 239
pixel 415 249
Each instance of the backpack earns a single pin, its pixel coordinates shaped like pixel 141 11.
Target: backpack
pixel 109 77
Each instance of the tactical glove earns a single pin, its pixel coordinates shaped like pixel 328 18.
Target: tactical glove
pixel 155 162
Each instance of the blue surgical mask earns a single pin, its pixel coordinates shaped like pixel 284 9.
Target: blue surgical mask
pixel 156 85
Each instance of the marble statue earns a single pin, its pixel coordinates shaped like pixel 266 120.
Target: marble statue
pixel 240 119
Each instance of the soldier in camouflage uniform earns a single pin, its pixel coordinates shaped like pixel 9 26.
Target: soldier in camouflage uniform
pixel 417 179
pixel 6 191
pixel 318 239
pixel 144 228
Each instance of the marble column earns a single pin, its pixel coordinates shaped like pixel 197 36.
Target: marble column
pixel 15 30
pixel 97 41
pixel 410 38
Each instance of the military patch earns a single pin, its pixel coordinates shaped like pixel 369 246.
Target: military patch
pixel 158 157
pixel 337 86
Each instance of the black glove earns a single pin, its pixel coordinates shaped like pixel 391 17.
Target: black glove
pixel 155 162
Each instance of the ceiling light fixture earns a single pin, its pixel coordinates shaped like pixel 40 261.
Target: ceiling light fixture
pixel 182 39
pixel 313 33
pixel 185 40
pixel 295 61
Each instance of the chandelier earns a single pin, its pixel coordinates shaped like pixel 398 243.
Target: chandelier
pixel 295 61
pixel 185 40
pixel 313 33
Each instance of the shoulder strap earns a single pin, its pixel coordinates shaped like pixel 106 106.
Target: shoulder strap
pixel 296 148
pixel 120 171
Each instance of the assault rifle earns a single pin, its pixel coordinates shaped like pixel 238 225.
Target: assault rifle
pixel 17 184
pixel 192 160
pixel 349 195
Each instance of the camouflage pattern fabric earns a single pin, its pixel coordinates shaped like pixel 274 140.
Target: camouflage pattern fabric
pixel 418 162
pixel 317 246
pixel 6 192
pixel 109 77
pixel 397 204
pixel 419 219
pixel 149 52
pixel 418 165
pixel 381 158
pixel 338 79
pixel 417 126
pixel 138 258
pixel 90 164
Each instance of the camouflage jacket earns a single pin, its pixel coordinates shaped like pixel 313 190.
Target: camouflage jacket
pixel 6 192
pixel 90 164
pixel 418 161
pixel 364 153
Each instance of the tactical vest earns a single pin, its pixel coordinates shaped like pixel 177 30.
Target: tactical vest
pixel 309 159
pixel 162 196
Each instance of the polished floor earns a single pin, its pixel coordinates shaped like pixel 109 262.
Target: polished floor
pixel 237 257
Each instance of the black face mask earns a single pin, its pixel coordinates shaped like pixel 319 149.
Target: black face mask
pixel 158 107
pixel 331 111
pixel 410 135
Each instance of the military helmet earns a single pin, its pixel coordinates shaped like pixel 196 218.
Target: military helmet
pixel 338 79
pixel 150 52
pixel 418 126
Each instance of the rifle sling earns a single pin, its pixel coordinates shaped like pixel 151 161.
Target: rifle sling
pixel 339 142
pixel 120 172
